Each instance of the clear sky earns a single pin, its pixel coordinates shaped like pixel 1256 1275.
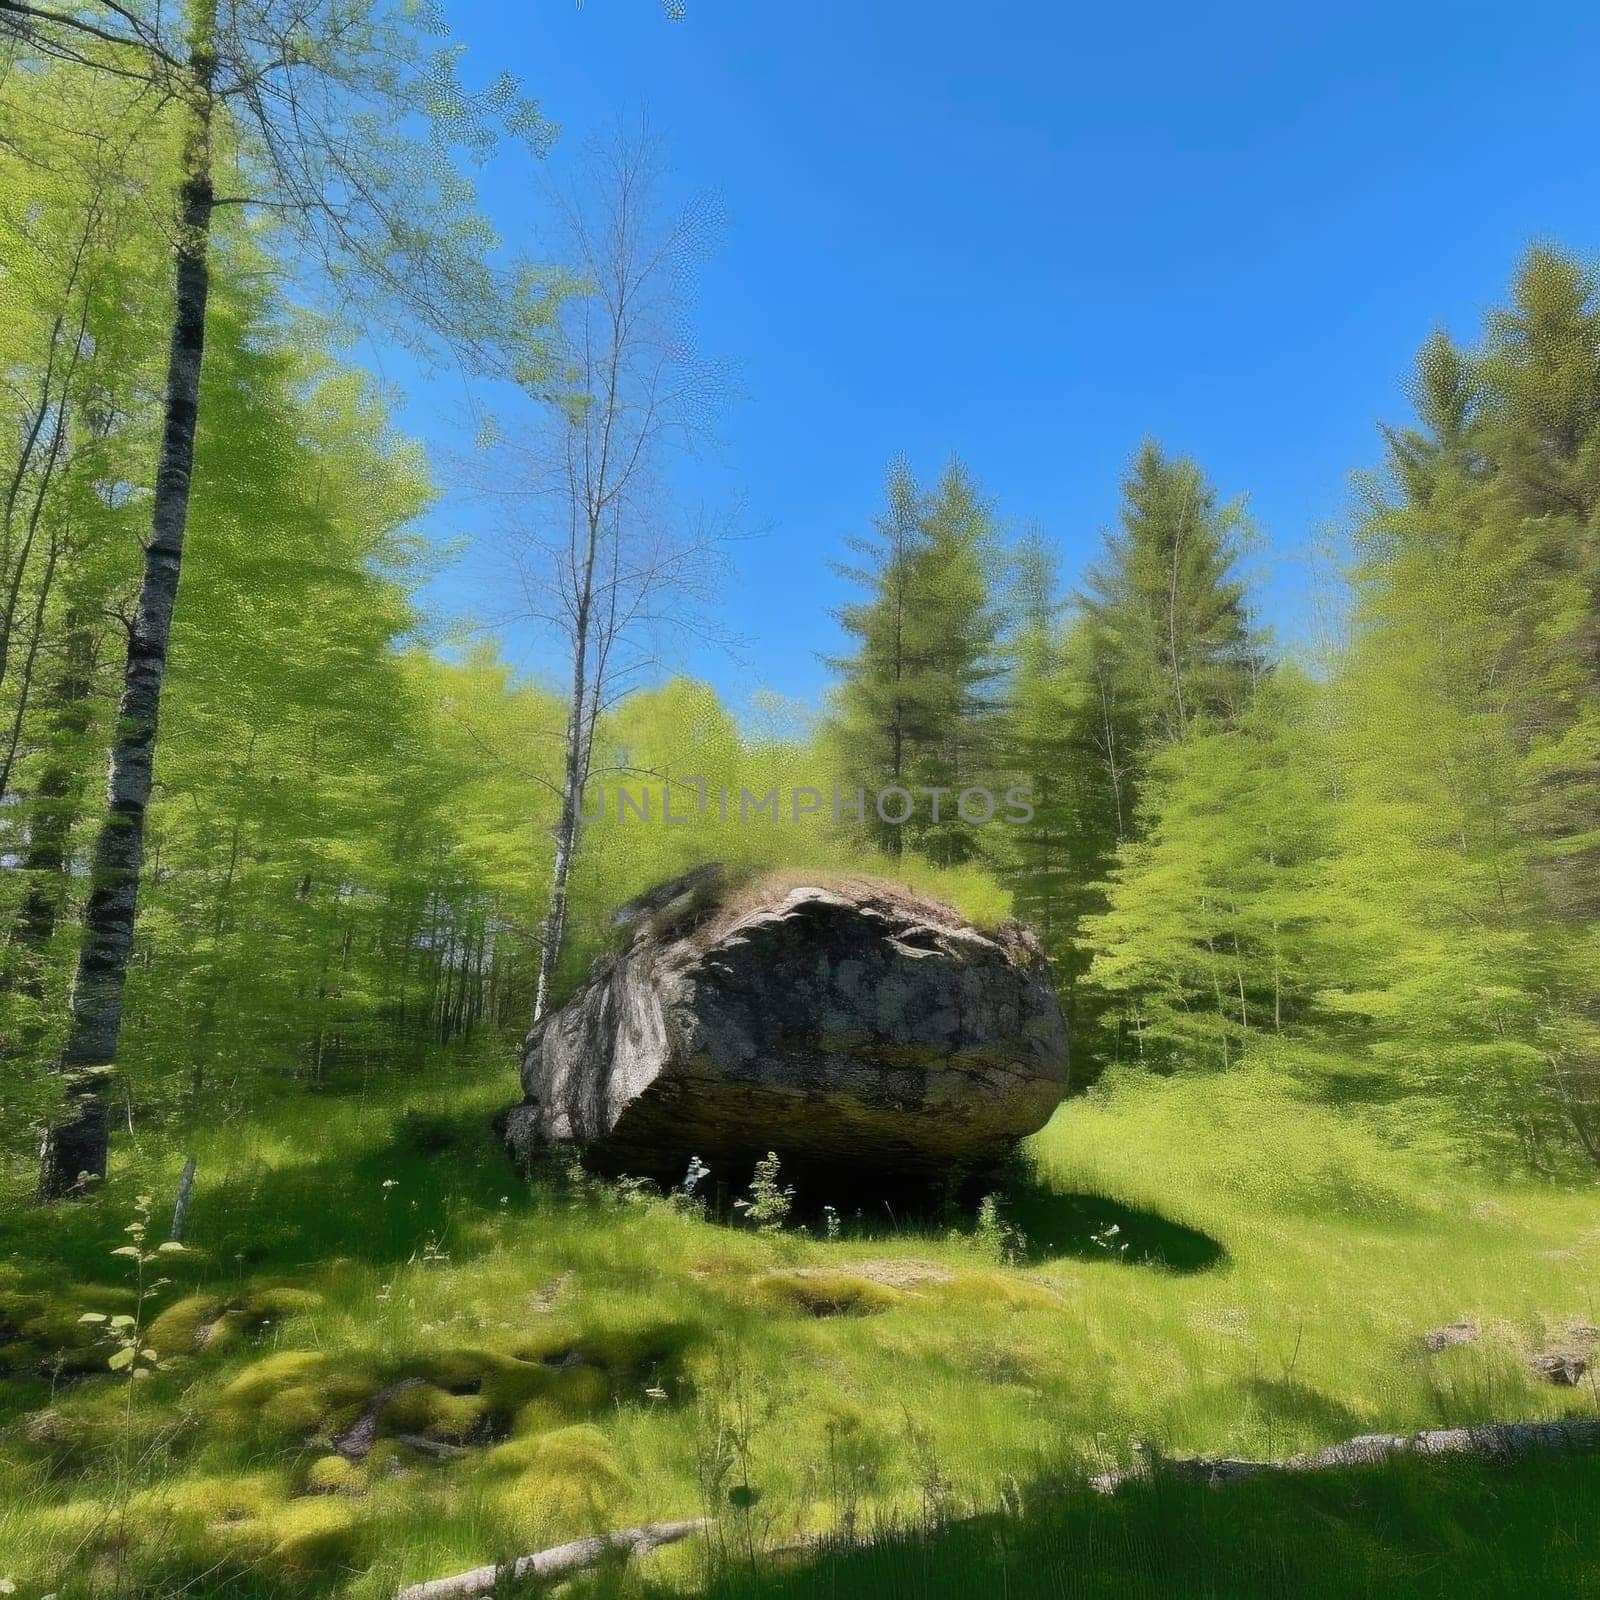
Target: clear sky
pixel 1032 234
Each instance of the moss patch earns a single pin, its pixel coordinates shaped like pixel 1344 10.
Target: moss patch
pixel 819 1292
pixel 299 1392
pixel 213 1501
pixel 564 1479
pixel 308 1534
pixel 1001 1291
pixel 205 1322
pixel 335 1475
pixel 434 1412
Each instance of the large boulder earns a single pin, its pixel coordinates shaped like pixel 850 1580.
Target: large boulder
pixel 867 1034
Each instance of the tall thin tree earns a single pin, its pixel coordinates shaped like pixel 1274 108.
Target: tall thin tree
pixel 609 563
pixel 305 106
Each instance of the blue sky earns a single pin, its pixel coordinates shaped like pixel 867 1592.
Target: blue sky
pixel 1033 234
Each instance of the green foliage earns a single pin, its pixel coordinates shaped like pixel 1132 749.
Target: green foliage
pixel 1390 861
pixel 337 878
pixel 770 1200
pixel 916 707
pixel 1391 858
pixel 1104 706
pixel 84 274
pixel 1167 606
pixel 1463 891
pixel 994 1235
pixel 1345 919
pixel 124 1332
pixel 1204 936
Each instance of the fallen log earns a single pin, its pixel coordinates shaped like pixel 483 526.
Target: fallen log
pixel 1488 1441
pixel 356 1442
pixel 432 1447
pixel 558 1562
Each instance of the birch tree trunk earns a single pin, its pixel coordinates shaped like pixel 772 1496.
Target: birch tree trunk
pixel 609 571
pixel 553 933
pixel 575 774
pixel 77 1145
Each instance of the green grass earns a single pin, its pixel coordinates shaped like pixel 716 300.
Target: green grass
pixel 1417 1532
pixel 1213 1265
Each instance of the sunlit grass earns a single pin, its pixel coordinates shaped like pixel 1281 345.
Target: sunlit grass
pixel 1210 1265
pixel 1414 1532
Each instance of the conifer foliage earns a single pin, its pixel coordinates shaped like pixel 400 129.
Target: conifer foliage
pixel 917 704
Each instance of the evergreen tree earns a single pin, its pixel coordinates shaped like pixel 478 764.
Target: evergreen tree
pixel 917 708
pixel 1159 659
pixel 1469 719
pixel 1168 608
pixel 960 667
pixel 878 719
pixel 1064 746
pixel 1208 935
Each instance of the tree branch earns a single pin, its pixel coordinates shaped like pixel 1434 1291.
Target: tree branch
pixel 1490 1441
pixel 138 40
pixel 557 1562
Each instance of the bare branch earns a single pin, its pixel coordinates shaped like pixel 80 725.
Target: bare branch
pixel 140 39
pixel 559 1562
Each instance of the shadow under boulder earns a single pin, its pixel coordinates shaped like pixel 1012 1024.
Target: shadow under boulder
pixel 1094 1227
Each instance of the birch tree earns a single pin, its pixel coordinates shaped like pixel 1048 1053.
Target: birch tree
pixel 610 564
pixel 302 111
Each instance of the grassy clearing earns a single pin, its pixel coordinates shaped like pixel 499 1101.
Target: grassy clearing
pixel 1215 1265
pixel 1412 1533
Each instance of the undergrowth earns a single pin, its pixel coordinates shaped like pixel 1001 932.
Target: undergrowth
pixel 1217 1266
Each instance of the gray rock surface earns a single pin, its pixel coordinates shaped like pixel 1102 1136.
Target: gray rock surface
pixel 856 1028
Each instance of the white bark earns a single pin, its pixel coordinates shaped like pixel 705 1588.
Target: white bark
pixel 76 1146
pixel 1489 1441
pixel 559 1562
pixel 601 563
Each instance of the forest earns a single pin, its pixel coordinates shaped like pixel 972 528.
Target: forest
pixel 292 861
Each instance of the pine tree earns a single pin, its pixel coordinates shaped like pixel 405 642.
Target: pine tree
pixel 959 662
pixel 917 707
pixel 1065 746
pixel 1208 936
pixel 878 719
pixel 1159 662
pixel 1469 710
pixel 1168 608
